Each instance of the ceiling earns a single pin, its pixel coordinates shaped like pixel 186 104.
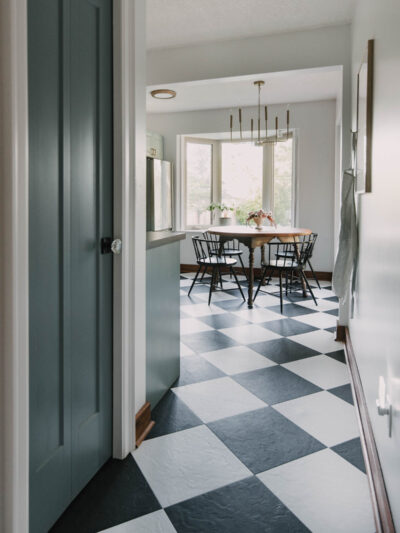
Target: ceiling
pixel 280 87
pixel 172 23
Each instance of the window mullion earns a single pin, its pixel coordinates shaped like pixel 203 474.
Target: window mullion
pixel 268 177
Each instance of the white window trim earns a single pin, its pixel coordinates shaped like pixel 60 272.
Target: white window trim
pixel 216 178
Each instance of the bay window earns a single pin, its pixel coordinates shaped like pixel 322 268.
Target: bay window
pixel 240 175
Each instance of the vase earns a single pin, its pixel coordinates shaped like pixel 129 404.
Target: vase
pixel 258 221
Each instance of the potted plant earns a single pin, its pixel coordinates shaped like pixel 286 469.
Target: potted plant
pixel 258 217
pixel 226 216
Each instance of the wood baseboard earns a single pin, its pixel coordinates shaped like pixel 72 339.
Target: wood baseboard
pixel 143 423
pixel 340 333
pixel 323 276
pixel 380 501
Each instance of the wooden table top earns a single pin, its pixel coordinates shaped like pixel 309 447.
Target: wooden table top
pixel 251 231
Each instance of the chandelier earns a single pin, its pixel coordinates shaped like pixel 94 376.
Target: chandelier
pixel 279 136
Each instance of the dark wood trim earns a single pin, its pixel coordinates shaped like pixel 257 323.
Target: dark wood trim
pixel 143 423
pixel 380 501
pixel 325 276
pixel 340 333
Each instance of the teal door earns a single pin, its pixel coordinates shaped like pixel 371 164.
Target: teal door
pixel 70 203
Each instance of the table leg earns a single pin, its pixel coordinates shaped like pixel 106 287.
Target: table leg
pixel 262 262
pixel 251 278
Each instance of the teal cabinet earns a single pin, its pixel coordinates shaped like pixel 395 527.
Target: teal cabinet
pixel 163 314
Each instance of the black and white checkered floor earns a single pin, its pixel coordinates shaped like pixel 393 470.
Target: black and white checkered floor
pixel 258 435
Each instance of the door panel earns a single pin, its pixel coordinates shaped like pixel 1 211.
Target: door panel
pixel 91 197
pixel 70 202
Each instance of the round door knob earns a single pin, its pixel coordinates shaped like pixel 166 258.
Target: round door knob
pixel 116 246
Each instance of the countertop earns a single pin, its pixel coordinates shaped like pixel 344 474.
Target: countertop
pixel 160 238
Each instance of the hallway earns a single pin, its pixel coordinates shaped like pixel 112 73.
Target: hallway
pixel 256 436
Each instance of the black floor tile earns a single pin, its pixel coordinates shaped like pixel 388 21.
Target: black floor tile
pixel 331 298
pixel 171 415
pixel 344 392
pixel 247 506
pixel 194 369
pixel 263 439
pixel 236 304
pixel 226 320
pixel 116 494
pixel 283 350
pixel 275 384
pixel 334 312
pixel 352 452
pixel 293 310
pixel 287 327
pixel 338 355
pixel 331 330
pixel 207 341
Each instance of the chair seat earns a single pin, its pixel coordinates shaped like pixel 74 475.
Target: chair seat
pixel 229 252
pixel 216 260
pixel 288 264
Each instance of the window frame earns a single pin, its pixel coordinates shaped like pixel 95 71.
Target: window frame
pixel 216 176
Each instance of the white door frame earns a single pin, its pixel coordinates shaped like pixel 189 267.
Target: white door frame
pixel 129 277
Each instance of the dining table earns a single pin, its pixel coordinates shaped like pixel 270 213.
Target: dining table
pixel 253 238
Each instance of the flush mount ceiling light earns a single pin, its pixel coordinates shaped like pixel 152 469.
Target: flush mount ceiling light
pixel 163 94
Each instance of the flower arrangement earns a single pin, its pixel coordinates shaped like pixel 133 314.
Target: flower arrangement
pixel 258 217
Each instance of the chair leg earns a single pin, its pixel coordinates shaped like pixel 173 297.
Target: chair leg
pixel 243 269
pixel 237 283
pixel 220 277
pixel 211 284
pixel 280 290
pixel 195 278
pixel 313 273
pixel 286 282
pixel 308 286
pixel 263 274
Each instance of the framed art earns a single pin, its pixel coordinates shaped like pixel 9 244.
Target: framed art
pixel 364 120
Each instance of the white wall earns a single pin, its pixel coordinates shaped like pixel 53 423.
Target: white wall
pixel 375 330
pixel 274 53
pixel 315 162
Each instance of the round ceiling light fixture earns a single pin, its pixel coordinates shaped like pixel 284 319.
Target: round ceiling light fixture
pixel 163 94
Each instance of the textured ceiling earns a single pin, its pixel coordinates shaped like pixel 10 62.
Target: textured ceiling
pixel 180 22
pixel 280 87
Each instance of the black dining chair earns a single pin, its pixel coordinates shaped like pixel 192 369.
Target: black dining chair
pixel 292 253
pixel 287 259
pixel 230 249
pixel 206 257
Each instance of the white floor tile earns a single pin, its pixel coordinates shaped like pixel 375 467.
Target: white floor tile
pixel 192 325
pixel 185 350
pixel 323 293
pixel 218 296
pixel 157 522
pixel 187 463
pixel 324 283
pixel 321 341
pixel 250 334
pixel 321 370
pixel 266 300
pixel 318 320
pixel 326 492
pixel 325 416
pixel 323 305
pixel 196 310
pixel 185 283
pixel 259 315
pixel 182 293
pixel 237 359
pixel 217 398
